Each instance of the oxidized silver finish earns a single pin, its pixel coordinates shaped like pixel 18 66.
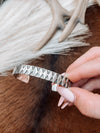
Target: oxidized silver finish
pixel 43 74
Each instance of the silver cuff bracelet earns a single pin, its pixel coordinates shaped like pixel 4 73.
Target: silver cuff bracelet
pixel 43 74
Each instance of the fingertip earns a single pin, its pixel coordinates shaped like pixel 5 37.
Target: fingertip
pixel 61 100
pixel 64 105
pixel 66 93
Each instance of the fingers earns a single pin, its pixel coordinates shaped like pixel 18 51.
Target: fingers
pixel 87 70
pixel 64 105
pixel 80 83
pixel 88 84
pixel 87 102
pixel 89 55
pixel 92 84
pixel 66 94
pixel 63 102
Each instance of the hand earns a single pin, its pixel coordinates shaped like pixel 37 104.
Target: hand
pixel 85 74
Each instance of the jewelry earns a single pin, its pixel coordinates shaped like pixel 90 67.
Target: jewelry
pixel 43 74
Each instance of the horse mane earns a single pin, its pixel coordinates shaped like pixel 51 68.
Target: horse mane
pixel 23 23
pixel 32 108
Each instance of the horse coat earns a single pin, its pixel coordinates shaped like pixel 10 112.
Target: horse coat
pixel 33 107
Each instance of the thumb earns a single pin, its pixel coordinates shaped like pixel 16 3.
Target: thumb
pixel 87 102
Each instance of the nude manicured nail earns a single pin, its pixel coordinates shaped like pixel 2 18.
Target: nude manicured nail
pixel 61 100
pixel 66 93
pixel 64 105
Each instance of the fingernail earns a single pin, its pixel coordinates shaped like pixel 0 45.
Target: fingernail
pixel 61 100
pixel 64 105
pixel 54 87
pixel 66 93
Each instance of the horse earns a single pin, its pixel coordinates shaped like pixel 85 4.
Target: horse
pixel 32 107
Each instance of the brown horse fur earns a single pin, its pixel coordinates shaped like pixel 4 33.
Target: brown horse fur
pixel 32 108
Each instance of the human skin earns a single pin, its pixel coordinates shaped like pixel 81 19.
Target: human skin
pixel 85 75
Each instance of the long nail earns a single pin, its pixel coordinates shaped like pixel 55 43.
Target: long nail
pixel 61 100
pixel 64 105
pixel 66 93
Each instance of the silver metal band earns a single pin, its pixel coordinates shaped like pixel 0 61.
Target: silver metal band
pixel 43 74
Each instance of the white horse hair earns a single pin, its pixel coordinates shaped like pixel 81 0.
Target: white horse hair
pixel 23 23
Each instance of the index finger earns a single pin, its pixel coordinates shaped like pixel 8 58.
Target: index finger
pixel 85 71
pixel 89 55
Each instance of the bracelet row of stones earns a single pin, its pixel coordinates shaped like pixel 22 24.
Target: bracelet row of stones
pixel 43 74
